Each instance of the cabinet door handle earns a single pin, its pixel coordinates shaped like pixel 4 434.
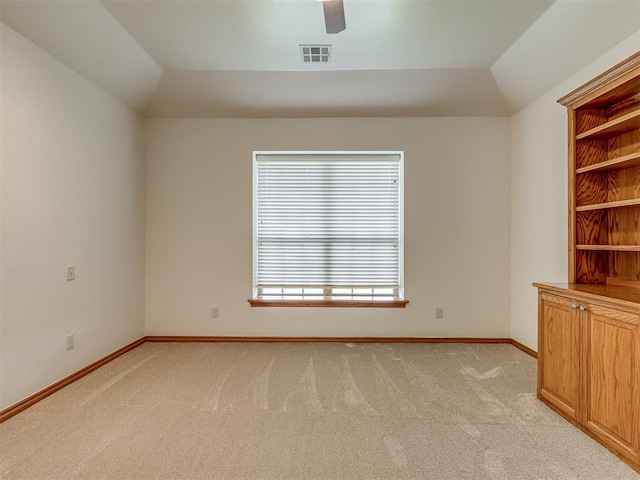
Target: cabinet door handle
pixel 583 308
pixel 574 306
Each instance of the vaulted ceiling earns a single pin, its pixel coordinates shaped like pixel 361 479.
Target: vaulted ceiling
pixel 240 58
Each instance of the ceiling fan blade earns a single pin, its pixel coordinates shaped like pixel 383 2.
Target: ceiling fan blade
pixel 334 16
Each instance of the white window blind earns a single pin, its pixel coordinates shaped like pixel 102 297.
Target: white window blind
pixel 328 225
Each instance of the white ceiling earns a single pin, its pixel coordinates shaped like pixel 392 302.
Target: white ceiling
pixel 239 58
pixel 380 34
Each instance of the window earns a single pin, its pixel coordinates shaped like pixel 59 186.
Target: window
pixel 328 228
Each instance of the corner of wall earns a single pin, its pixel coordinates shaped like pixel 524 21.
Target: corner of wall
pixel 539 192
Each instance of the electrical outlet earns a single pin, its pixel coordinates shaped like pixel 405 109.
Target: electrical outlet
pixel 70 341
pixel 439 313
pixel 71 273
pixel 214 312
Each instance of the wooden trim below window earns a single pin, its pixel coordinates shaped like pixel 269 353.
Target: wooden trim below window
pixel 261 302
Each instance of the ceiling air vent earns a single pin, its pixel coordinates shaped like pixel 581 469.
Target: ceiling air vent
pixel 315 53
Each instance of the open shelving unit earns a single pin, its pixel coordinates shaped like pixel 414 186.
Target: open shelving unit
pixel 604 180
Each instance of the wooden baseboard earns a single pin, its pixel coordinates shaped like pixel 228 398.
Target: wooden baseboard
pixel 326 339
pixel 511 341
pixel 524 348
pixel 36 397
pixel 16 408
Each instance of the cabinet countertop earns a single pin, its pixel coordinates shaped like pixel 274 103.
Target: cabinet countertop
pixel 619 295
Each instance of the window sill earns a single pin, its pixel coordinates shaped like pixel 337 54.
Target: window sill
pixel 261 302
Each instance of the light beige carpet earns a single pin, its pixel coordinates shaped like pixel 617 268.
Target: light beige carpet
pixel 304 411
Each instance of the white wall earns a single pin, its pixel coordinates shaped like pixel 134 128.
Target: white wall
pixel 199 214
pixel 539 193
pixel 72 194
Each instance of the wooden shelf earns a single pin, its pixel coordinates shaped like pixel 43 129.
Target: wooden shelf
pixel 626 161
pixel 604 161
pixel 610 248
pixel 603 206
pixel 623 124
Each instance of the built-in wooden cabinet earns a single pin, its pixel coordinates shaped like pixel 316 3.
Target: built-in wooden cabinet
pixel 589 328
pixel 589 361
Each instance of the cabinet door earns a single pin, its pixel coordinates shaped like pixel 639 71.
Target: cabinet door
pixel 559 353
pixel 612 378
